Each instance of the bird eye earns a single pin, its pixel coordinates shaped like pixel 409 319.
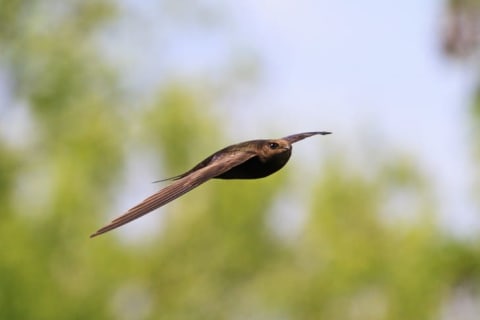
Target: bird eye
pixel 273 145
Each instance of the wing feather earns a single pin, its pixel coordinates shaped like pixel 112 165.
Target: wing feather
pixel 300 136
pixel 179 187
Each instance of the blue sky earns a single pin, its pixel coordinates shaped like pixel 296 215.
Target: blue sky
pixel 374 68
pixel 361 69
pixel 364 70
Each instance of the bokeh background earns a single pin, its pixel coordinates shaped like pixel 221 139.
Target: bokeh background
pixel 378 221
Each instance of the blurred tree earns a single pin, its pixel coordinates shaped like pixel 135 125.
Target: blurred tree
pixel 461 41
pixel 460 35
pixel 58 179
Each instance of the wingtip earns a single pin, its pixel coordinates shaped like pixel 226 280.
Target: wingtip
pixel 98 232
pixel 300 136
pixel 93 235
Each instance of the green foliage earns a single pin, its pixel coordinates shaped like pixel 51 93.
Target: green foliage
pixel 355 257
pixel 179 119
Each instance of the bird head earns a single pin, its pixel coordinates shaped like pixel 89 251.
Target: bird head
pixel 271 148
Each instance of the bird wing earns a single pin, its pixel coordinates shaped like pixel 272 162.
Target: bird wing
pixel 202 164
pixel 221 164
pixel 300 136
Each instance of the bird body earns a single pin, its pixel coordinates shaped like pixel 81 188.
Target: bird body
pixel 246 160
pixel 264 162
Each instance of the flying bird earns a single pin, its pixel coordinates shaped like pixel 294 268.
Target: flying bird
pixel 246 160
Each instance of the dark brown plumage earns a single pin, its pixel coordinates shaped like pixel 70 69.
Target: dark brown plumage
pixel 246 160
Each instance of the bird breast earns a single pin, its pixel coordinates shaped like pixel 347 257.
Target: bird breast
pixel 256 167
